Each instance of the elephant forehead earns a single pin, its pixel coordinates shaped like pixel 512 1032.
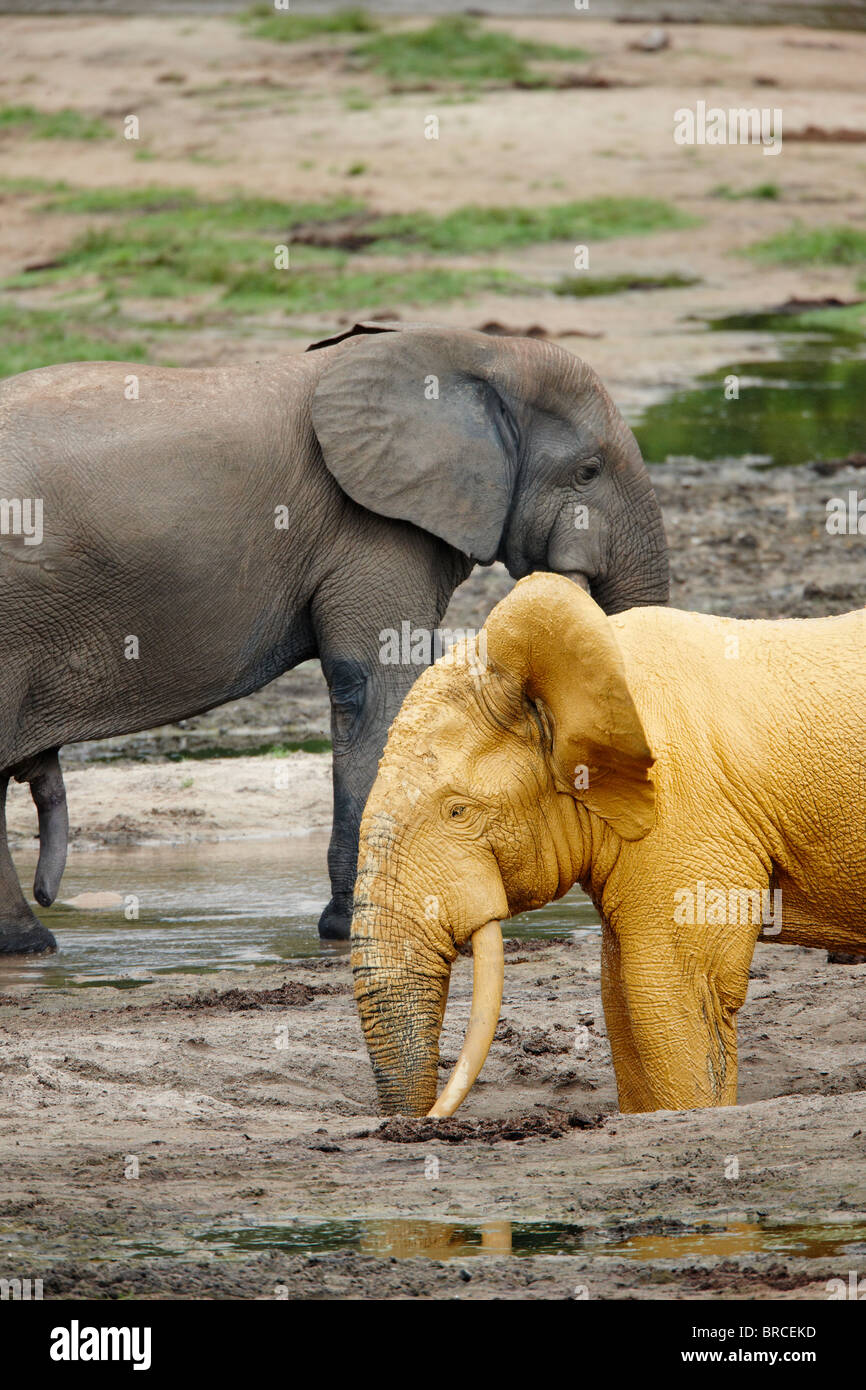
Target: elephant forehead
pixel 433 733
pixel 421 771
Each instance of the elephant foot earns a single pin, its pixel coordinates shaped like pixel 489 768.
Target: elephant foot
pixel 335 923
pixel 26 938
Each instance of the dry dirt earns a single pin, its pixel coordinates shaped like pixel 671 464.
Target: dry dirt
pixel 260 1109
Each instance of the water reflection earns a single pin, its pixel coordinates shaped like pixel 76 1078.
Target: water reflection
pixel 207 907
pixel 794 411
pixel 404 1238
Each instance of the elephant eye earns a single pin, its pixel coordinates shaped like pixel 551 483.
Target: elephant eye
pixel 466 815
pixel 585 472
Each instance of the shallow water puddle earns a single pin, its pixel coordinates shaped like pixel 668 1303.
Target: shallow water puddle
pixel 403 1238
pixel 805 1240
pixel 441 1240
pixel 205 908
pixel 798 410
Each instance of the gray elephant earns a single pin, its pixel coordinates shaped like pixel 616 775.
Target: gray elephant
pixel 173 539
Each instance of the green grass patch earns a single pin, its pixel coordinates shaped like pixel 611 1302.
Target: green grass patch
pixel 39 337
pixel 845 323
pixel 472 229
pixel 264 22
pixel 801 245
pixel 166 243
pixel 183 246
pixel 167 260
pixel 767 191
pixel 179 244
pixel 459 49
pixel 466 231
pixel 582 287
pixel 189 210
pixel 120 200
pixel 53 125
pixel 261 750
pixel 322 289
pixel 26 186
pixel 848 320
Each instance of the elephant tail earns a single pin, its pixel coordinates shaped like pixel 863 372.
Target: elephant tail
pixel 45 777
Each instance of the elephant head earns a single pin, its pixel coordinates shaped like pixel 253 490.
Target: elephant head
pixel 507 448
pixel 515 768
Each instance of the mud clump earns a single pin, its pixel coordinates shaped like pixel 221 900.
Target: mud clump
pixel 826 467
pixel 294 994
pixel 513 946
pixel 347 234
pixel 777 1276
pixel 818 135
pixel 555 1125
pixel 538 1043
pixel 495 329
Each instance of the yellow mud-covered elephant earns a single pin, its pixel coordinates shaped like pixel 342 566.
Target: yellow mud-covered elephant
pixel 703 779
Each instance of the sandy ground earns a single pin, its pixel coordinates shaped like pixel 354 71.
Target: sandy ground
pixel 188 802
pixel 259 1110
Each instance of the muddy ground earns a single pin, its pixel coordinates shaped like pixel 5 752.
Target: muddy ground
pixel 259 1110
pixel 254 1107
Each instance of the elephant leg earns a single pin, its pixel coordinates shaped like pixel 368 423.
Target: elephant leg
pixel 630 1081
pixel 673 1041
pixel 671 994
pixel 402 585
pixel 21 933
pixel 364 701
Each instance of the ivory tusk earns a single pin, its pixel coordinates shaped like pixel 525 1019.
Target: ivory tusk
pixel 488 976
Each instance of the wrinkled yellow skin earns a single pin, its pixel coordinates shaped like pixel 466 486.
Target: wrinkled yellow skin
pixel 722 753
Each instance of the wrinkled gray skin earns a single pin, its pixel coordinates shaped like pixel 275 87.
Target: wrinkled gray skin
pixel 404 454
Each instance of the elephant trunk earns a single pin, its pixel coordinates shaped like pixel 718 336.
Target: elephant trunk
pixel 638 573
pixel 401 1003
pixel 401 1006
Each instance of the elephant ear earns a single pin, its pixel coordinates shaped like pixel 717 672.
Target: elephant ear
pixel 366 326
pixel 412 427
pixel 551 636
